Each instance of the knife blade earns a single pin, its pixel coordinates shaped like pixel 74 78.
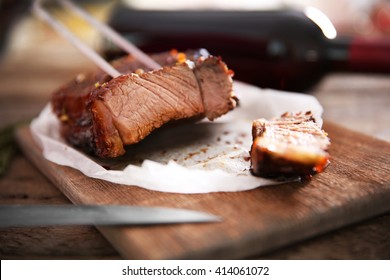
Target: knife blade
pixel 103 215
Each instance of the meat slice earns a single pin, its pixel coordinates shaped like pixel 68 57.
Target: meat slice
pixel 103 115
pixel 292 145
pixel 137 104
pixel 216 87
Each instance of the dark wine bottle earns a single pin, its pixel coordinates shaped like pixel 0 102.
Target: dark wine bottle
pixel 282 49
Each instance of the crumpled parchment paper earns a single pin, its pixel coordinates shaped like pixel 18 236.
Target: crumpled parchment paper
pixel 195 158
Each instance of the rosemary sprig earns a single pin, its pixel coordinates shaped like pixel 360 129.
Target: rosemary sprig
pixel 8 146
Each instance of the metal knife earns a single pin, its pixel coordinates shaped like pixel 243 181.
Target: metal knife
pixel 103 215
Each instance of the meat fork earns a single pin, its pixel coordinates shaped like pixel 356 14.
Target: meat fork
pixel 108 32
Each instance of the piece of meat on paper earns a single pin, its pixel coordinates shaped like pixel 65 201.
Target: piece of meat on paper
pixel 197 157
pixel 291 145
pixel 103 115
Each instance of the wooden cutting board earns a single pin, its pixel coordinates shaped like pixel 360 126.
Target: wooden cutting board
pixel 355 186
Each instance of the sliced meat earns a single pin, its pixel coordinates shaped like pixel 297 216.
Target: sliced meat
pixel 216 87
pixel 102 115
pixel 138 104
pixel 292 145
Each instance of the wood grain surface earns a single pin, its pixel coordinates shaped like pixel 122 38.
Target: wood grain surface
pixel 354 187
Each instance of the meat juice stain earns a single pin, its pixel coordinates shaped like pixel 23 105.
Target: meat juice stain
pixel 190 155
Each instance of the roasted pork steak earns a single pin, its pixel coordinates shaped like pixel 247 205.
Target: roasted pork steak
pixel 102 115
pixel 292 145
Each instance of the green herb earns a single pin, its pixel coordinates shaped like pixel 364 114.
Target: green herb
pixel 8 146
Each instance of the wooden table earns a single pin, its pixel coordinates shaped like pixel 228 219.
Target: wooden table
pixel 31 70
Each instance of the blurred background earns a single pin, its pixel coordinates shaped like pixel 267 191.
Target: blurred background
pixel 287 44
pixel 292 45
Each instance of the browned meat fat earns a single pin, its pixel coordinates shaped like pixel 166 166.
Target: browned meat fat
pixel 292 145
pixel 103 115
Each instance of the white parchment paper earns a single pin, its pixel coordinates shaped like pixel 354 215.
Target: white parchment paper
pixel 194 158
